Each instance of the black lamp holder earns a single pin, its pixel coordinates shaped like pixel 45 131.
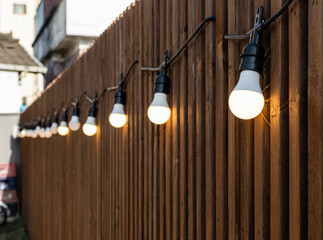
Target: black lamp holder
pixel 120 95
pixel 93 109
pixel 162 80
pixel 253 54
pixel 76 110
pixel 64 116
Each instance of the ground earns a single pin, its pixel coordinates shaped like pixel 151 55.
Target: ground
pixel 13 231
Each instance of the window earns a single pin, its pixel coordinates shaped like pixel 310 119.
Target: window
pixel 19 8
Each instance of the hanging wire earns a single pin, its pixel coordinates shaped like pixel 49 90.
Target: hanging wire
pixel 183 46
pixel 263 116
pixel 78 99
pixel 261 26
pixel 123 79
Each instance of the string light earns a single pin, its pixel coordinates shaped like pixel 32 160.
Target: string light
pixel 89 127
pixel 48 133
pixel 159 111
pixel 54 125
pixel 246 101
pixel 34 132
pixel 74 123
pixel 63 129
pixel 117 117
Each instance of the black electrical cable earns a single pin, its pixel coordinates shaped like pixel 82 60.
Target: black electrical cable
pixel 182 47
pixel 129 70
pixel 262 26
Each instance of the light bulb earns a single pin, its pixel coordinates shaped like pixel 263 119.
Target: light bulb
pixel 118 118
pixel 246 100
pixel 38 128
pixel 54 125
pixel 63 129
pixel 48 133
pixel 159 111
pixel 23 133
pixel 53 128
pixel 42 131
pixel 89 127
pixel 28 133
pixel 74 123
pixel 34 134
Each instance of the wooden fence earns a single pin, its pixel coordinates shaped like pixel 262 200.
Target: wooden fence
pixel 205 174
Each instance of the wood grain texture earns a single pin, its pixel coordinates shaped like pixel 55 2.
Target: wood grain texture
pixel 204 174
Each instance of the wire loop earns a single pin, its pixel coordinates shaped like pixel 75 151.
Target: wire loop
pixel 262 26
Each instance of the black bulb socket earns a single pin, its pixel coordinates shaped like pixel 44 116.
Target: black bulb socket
pixel 38 123
pixel 64 117
pixel 252 58
pixel 76 111
pixel 162 82
pixel 55 120
pixel 93 110
pixel 49 123
pixel 120 96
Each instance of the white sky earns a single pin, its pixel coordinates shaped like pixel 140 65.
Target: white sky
pixel 117 7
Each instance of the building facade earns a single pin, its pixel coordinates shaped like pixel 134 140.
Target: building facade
pixel 65 28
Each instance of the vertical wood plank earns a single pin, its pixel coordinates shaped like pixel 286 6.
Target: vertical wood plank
pixel 315 115
pixel 298 120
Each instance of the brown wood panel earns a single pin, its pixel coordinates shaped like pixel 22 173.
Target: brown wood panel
pixel 279 126
pixel 315 115
pixel 298 120
pixel 204 174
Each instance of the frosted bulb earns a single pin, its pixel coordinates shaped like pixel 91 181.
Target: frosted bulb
pixel 48 132
pixel 63 129
pixel 118 118
pixel 23 133
pixel 74 123
pixel 246 100
pixel 34 134
pixel 38 130
pixel 89 127
pixel 53 128
pixel 159 111
pixel 42 132
pixel 28 133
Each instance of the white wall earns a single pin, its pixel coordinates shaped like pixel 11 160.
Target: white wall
pixel 91 18
pixel 21 25
pixel 10 93
pixel 9 147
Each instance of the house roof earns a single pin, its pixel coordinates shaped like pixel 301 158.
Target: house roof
pixel 13 57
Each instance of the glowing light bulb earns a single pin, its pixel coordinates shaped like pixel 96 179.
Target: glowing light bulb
pixel 246 100
pixel 159 111
pixel 89 127
pixel 118 118
pixel 23 133
pixel 74 123
pixel 63 129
